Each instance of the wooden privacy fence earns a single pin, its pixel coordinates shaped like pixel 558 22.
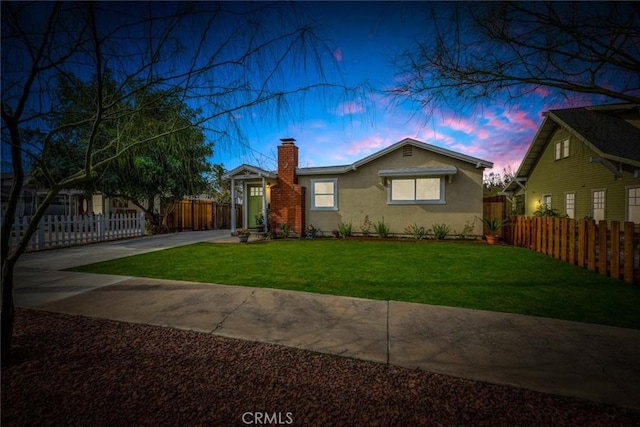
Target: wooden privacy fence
pixel 611 251
pixel 201 215
pixel 55 231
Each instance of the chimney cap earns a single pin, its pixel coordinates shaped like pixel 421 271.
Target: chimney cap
pixel 287 140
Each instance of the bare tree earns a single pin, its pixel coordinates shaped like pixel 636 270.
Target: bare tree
pixel 221 58
pixel 488 51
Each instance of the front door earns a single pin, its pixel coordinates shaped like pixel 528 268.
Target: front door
pixel 254 207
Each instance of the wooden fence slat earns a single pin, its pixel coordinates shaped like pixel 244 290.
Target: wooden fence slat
pixel 555 241
pixel 591 245
pixel 602 248
pixel 582 242
pixel 628 252
pixel 615 250
pixel 572 241
pixel 563 239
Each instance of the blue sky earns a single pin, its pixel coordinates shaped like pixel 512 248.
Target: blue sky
pixel 363 38
pixel 367 35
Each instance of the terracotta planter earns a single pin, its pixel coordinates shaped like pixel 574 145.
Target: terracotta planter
pixel 492 239
pixel 243 239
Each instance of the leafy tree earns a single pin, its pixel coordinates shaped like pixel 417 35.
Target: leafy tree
pixel 219 189
pixel 120 61
pixel 495 182
pixel 507 50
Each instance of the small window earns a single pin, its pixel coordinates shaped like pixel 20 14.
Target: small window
pixel 570 205
pixel 633 204
pixel 416 190
pixel 558 150
pixel 565 148
pixel 546 200
pixel 255 191
pixel 599 203
pixel 324 194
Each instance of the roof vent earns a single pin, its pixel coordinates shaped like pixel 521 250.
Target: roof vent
pixel 407 151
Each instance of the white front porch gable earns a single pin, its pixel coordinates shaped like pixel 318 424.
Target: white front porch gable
pixel 250 177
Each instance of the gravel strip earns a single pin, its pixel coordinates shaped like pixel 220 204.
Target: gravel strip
pixel 71 370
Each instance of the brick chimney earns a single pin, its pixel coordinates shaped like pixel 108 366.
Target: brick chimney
pixel 287 197
pixel 288 161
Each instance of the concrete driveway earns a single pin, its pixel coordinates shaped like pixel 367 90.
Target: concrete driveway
pixel 587 361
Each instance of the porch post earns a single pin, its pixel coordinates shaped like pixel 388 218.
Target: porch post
pixel 233 205
pixel 264 203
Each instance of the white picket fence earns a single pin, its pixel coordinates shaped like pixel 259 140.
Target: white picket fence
pixel 54 230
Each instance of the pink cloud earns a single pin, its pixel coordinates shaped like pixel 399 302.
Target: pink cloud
pixel 337 54
pixel 350 107
pixel 367 145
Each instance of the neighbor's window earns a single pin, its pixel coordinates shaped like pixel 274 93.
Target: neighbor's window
pixel 598 205
pixel 562 149
pixel 546 200
pixel 324 194
pixel 633 204
pixel 416 190
pixel 570 204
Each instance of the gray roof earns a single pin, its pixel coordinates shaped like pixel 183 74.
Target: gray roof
pixel 608 133
pixel 479 163
pixel 598 127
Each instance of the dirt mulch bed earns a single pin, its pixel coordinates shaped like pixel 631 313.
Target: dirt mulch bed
pixel 71 370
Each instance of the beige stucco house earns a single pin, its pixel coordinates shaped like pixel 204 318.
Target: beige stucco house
pixel 409 182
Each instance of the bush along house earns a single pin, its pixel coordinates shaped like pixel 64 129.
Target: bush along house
pixel 409 182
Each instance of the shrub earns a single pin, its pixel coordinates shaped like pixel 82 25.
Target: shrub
pixel 415 231
pixel 285 229
pixel 365 226
pixel 440 231
pixel 344 229
pixel 382 230
pixel 469 227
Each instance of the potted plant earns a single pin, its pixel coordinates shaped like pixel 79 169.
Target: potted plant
pixel 259 222
pixel 493 225
pixel 243 235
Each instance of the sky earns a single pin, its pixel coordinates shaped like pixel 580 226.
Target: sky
pixel 363 38
pixel 367 35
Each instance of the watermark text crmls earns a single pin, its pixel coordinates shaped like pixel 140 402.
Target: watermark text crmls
pixel 267 418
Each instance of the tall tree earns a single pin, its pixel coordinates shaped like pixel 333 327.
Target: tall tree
pixel 220 57
pixel 172 167
pixel 497 51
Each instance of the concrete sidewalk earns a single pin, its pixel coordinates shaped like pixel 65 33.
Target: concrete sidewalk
pixel 587 361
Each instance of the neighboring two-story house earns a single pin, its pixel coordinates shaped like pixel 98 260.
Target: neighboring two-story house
pixel 584 162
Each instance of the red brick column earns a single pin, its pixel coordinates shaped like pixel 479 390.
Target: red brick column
pixel 287 197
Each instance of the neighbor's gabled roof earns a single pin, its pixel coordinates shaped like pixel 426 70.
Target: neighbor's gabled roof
pixel 609 136
pixel 331 170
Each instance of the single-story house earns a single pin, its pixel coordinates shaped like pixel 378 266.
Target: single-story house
pixel 584 163
pixel 409 182
pixel 67 202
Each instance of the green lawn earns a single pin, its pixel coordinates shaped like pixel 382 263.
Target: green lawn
pixel 471 275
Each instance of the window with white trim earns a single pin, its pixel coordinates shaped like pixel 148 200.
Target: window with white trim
pixel 599 202
pixel 416 191
pixel 633 204
pixel 562 149
pixel 324 194
pixel 570 205
pixel 255 191
pixel 565 148
pixel 546 200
